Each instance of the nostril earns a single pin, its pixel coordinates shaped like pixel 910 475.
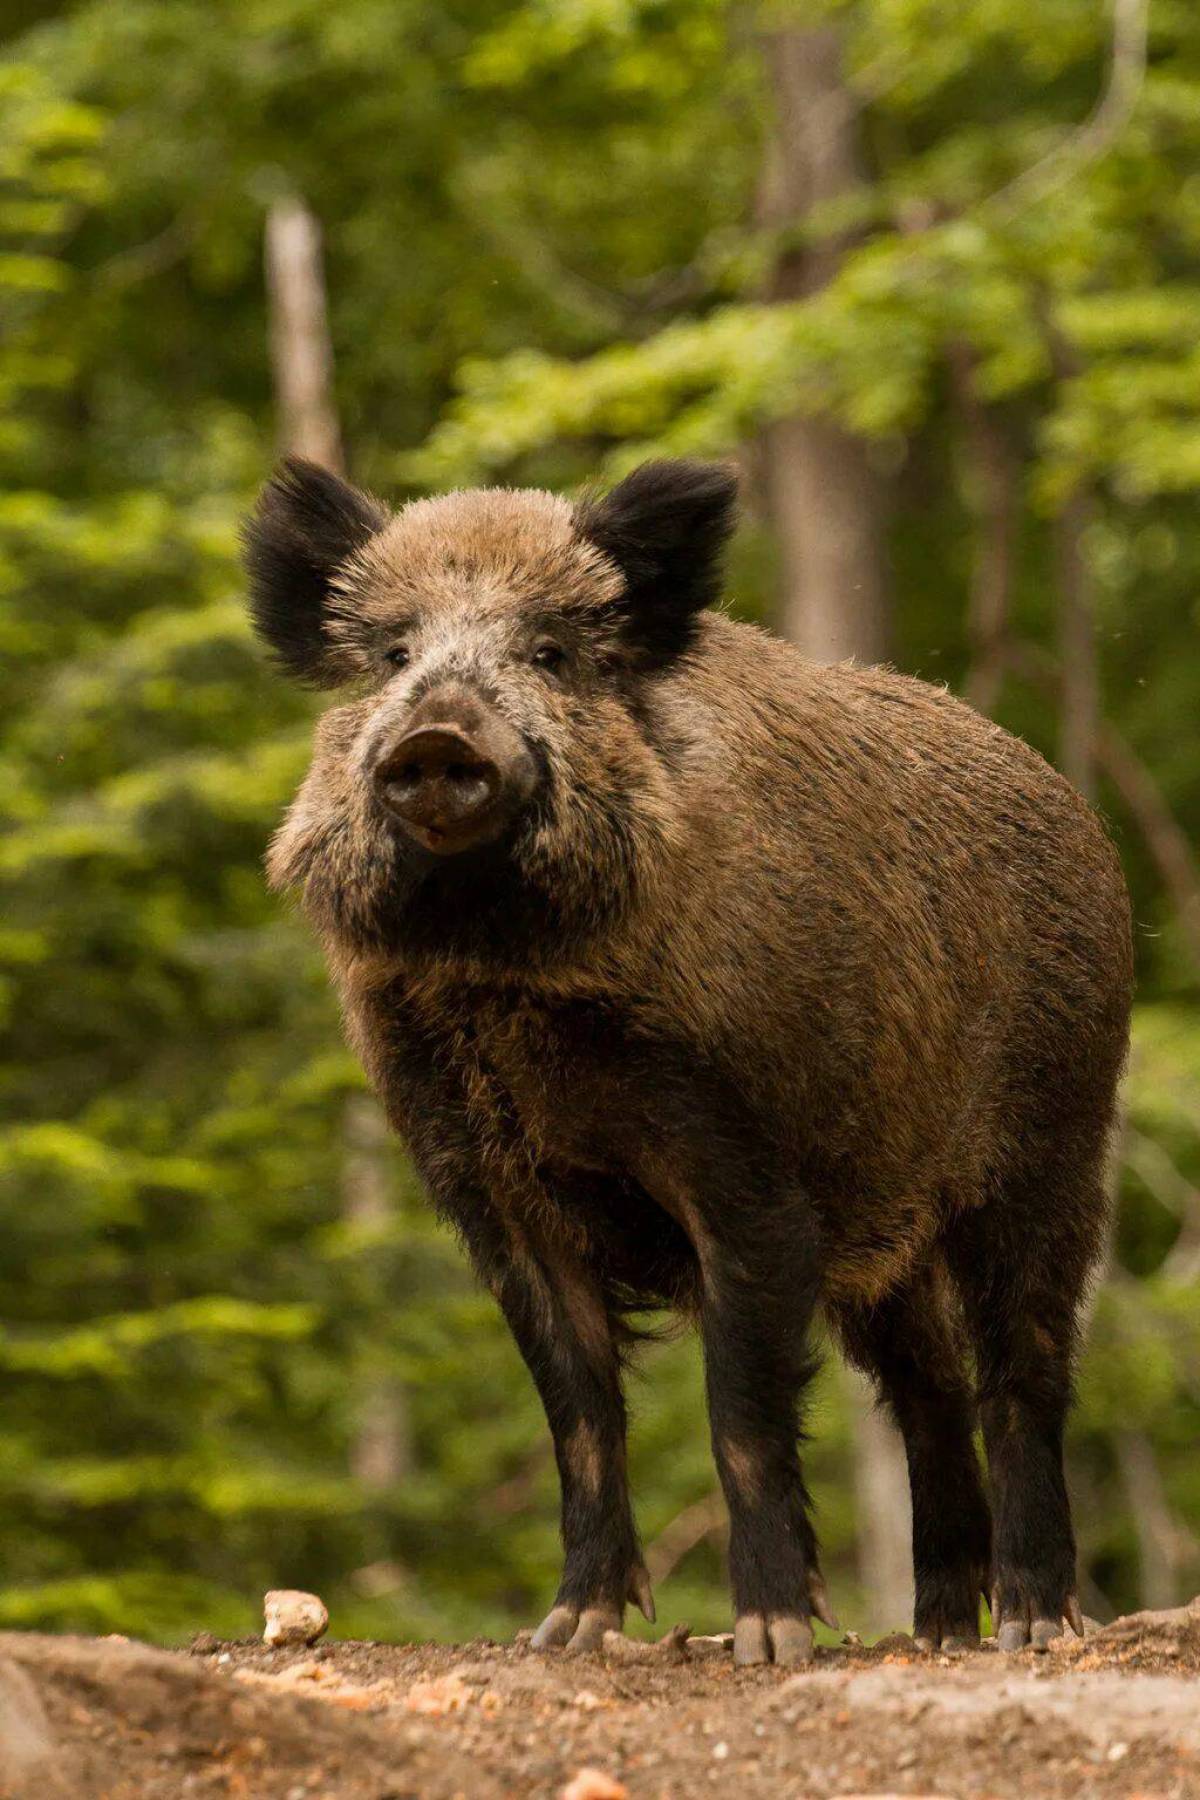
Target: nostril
pixel 410 775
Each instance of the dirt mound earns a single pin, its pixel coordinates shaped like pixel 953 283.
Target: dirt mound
pixel 1118 1715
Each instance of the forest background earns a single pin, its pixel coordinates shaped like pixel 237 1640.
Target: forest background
pixel 930 270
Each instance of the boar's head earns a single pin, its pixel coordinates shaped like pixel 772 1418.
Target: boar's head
pixel 492 777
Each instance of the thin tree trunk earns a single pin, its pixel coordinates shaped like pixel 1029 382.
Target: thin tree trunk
pixel 1079 714
pixel 825 505
pixel 884 1511
pixel 1158 1538
pixel 991 472
pixel 380 1452
pixel 1079 693
pixel 822 499
pixel 821 490
pixel 301 354
pixel 302 360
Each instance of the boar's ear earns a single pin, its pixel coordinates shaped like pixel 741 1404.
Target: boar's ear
pixel 304 526
pixel 665 527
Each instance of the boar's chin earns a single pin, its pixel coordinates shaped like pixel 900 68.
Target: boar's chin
pixel 515 899
pixel 568 871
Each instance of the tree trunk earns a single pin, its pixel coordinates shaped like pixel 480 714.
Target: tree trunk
pixel 821 489
pixel 825 506
pixel 301 354
pixel 302 359
pixel 1079 701
pixel 991 475
pixel 884 1512
pixel 1158 1538
pixel 380 1452
pixel 1079 718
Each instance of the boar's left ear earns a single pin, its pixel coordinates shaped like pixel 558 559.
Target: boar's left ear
pixel 665 527
pixel 306 523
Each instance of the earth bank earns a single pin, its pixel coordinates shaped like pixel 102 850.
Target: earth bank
pixel 107 1719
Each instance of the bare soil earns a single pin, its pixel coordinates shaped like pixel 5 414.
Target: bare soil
pixel 107 1719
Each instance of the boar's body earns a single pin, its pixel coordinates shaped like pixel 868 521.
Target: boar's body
pixel 804 985
pixel 880 940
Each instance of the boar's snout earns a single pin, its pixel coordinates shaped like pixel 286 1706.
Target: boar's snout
pixel 455 778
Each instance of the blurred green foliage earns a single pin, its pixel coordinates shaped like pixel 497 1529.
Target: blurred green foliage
pixel 542 263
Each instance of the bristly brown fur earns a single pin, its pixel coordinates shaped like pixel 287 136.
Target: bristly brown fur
pixel 792 986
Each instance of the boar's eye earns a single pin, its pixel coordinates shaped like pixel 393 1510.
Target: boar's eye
pixel 399 656
pixel 549 656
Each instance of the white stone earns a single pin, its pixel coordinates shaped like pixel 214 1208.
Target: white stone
pixel 293 1617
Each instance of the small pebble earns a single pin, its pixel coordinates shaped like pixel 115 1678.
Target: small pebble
pixel 594 1784
pixel 444 1694
pixel 720 1645
pixel 293 1617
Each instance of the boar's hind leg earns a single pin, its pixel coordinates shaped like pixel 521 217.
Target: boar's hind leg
pixel 758 1290
pixel 1021 1264
pixel 906 1345
pixel 564 1331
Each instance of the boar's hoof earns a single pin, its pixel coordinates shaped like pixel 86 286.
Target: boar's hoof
pixel 783 1638
pixel 576 1629
pixel 955 1643
pixel 1022 1629
pixel 953 1637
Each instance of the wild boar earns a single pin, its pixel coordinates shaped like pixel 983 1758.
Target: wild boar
pixel 699 977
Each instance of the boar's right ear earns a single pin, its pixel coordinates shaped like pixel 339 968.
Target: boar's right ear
pixel 306 523
pixel 665 527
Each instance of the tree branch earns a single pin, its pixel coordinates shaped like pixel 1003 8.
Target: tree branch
pixel 1103 125
pixel 1161 1545
pixel 1172 1189
pixel 703 1519
pixel 1164 839
pixel 153 257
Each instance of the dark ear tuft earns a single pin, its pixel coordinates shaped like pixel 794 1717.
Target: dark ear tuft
pixel 665 527
pixel 306 523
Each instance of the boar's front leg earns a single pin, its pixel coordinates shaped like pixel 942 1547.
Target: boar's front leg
pixel 558 1316
pixel 759 1267
pixel 563 1329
